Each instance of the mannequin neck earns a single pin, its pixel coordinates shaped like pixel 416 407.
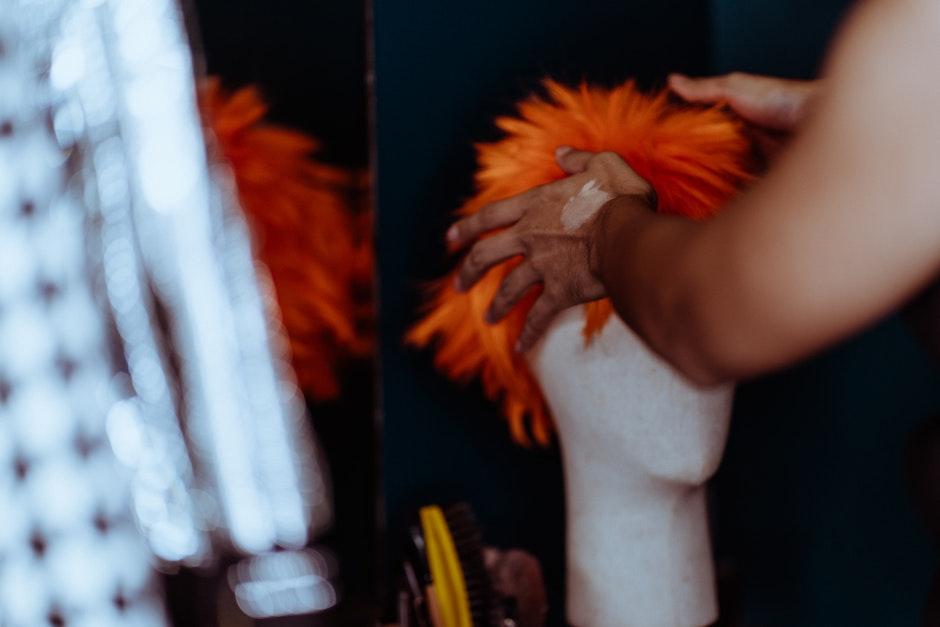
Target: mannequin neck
pixel 638 548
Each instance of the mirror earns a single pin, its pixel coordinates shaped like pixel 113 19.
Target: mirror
pixel 306 66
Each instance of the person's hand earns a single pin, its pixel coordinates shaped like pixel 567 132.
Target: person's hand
pixel 554 228
pixel 774 107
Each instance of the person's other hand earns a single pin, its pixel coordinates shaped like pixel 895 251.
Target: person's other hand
pixel 774 107
pixel 554 228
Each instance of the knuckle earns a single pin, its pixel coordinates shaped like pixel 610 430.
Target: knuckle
pixel 536 197
pixel 538 267
pixel 546 312
pixel 466 269
pixel 469 224
pixel 540 320
pixel 606 159
pixel 524 336
pixel 546 194
pixel 512 243
pixel 574 293
pixel 526 240
pixel 487 216
pixel 554 291
pixel 477 257
pixel 548 303
pixel 496 217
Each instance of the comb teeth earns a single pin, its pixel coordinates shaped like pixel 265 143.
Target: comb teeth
pixel 468 540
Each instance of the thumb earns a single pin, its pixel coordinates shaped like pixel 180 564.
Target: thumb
pixel 572 161
pixel 707 90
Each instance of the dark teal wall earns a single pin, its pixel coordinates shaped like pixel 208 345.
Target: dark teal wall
pixel 812 520
pixel 778 37
pixel 443 71
pixel 813 514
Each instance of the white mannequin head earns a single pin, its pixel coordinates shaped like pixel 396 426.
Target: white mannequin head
pixel 638 443
pixel 622 403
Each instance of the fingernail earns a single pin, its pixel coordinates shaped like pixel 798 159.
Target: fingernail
pixel 561 151
pixel 452 234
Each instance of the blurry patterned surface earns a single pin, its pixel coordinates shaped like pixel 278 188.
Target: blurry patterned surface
pixel 128 297
pixel 70 553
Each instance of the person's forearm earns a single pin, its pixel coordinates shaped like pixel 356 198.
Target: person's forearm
pixel 652 269
pixel 842 230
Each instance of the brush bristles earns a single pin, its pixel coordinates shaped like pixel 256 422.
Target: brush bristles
pixel 468 540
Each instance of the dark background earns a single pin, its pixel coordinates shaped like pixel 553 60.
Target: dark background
pixel 814 513
pixel 812 518
pixel 813 522
pixel 309 58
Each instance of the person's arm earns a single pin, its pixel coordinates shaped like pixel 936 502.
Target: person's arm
pixel 844 229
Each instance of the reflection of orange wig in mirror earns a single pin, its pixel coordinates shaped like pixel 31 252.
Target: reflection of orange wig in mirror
pixel 303 217
pixel 694 158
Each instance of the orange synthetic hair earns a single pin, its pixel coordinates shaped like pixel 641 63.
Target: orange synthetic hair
pixel 695 159
pixel 308 229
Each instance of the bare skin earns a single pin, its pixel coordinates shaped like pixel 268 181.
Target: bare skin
pixel 773 104
pixel 773 107
pixel 843 229
pixel 538 231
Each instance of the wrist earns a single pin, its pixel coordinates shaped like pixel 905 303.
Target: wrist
pixel 615 221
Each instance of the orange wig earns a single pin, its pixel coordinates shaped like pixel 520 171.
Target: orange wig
pixel 308 231
pixel 695 159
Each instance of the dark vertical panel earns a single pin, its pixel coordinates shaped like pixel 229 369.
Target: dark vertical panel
pixel 309 58
pixel 443 71
pixel 813 509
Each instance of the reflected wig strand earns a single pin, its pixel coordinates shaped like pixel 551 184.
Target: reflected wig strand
pixel 308 231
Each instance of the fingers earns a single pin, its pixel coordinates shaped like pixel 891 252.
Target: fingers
pixel 572 161
pixel 540 316
pixel 493 216
pixel 484 255
pixel 511 291
pixel 707 90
